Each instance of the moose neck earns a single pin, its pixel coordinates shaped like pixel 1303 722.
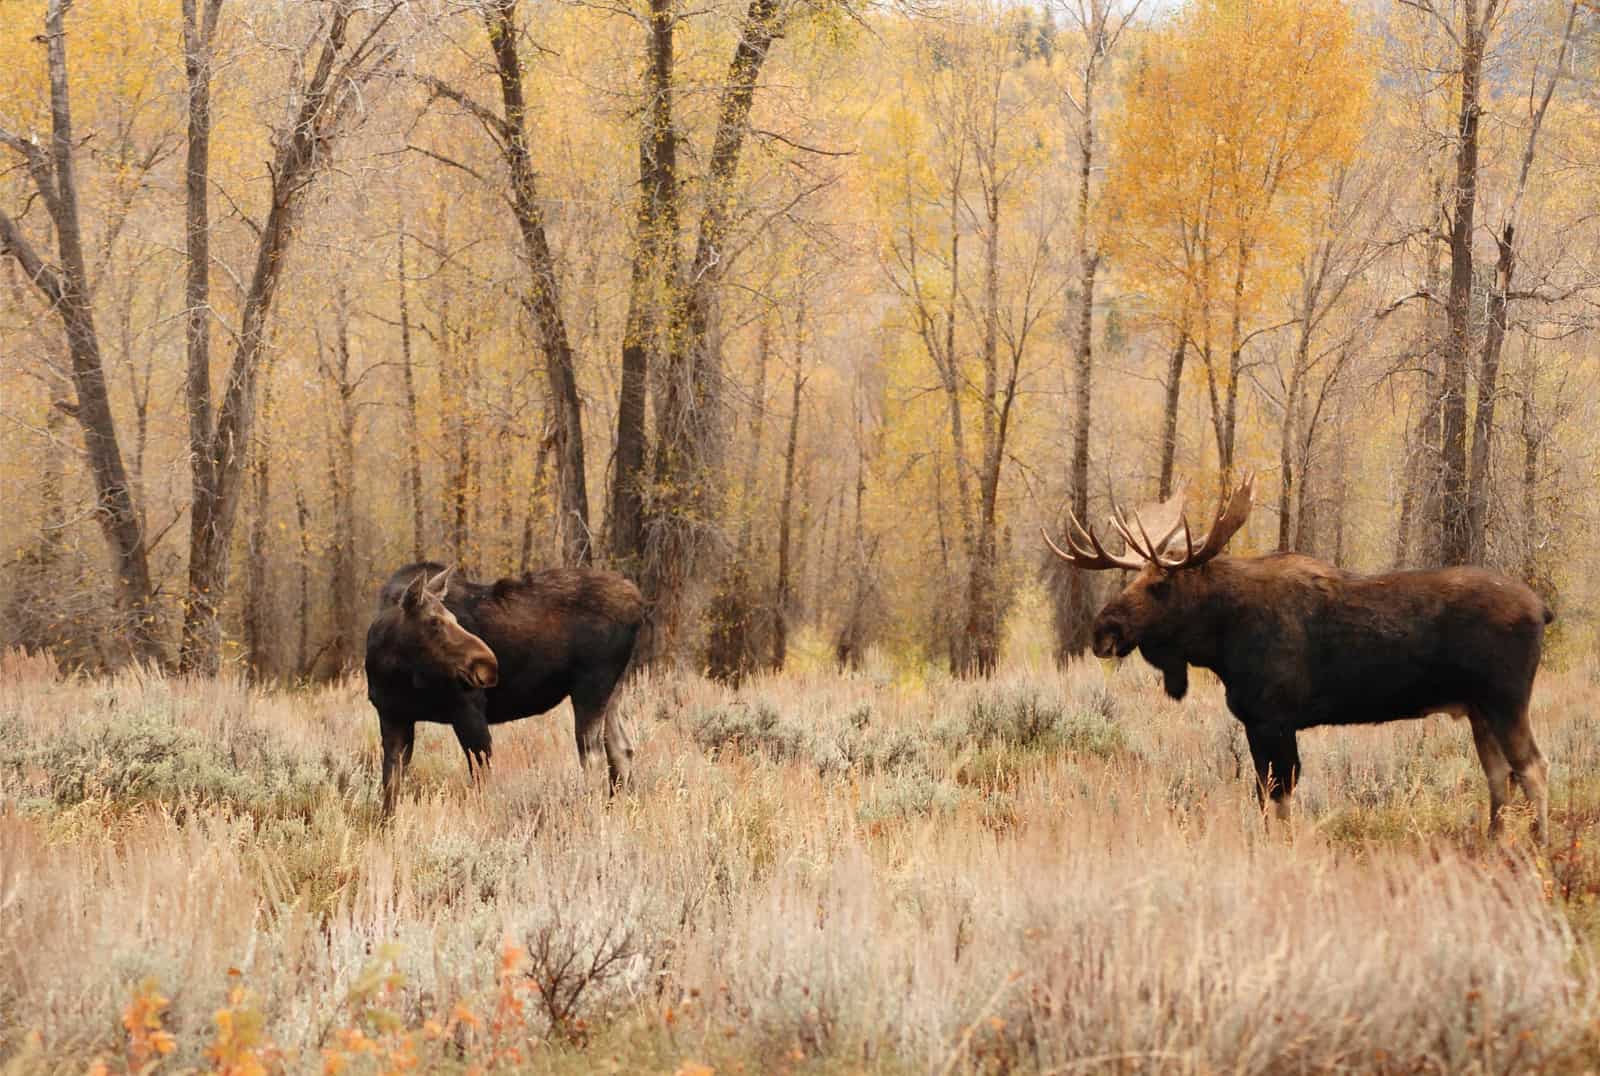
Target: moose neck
pixel 1212 594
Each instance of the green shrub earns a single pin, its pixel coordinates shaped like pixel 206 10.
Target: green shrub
pixel 909 796
pixel 754 726
pixel 1024 718
pixel 833 747
pixel 146 758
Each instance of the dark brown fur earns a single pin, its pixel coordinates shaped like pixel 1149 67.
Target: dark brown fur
pixel 556 634
pixel 1299 643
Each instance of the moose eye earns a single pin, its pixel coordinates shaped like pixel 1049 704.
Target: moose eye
pixel 1160 587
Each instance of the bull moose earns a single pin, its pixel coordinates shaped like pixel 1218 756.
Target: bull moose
pixel 471 655
pixel 1299 643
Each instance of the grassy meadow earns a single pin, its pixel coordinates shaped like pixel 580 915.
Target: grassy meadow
pixel 1046 872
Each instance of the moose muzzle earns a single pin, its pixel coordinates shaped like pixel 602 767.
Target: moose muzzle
pixel 478 667
pixel 1108 639
pixel 483 672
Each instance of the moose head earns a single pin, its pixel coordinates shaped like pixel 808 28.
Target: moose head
pixel 434 640
pixel 1169 610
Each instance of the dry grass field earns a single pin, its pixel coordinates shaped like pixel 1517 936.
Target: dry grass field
pixel 814 873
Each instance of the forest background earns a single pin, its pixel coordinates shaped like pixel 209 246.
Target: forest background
pixel 805 315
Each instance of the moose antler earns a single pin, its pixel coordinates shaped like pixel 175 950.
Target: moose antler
pixel 1085 551
pixel 1164 519
pixel 1232 511
pixel 1149 532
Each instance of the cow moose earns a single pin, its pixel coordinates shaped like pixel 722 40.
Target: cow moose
pixel 1299 643
pixel 471 655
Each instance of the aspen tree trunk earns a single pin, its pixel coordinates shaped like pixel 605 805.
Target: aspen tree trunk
pixel 1421 527
pixel 688 472
pixel 1456 535
pixel 454 406
pixel 806 556
pixel 1532 446
pixel 781 598
pixel 1286 486
pixel 1073 622
pixel 342 457
pixel 652 287
pixel 257 619
pixel 419 508
pixel 1341 499
pixel 503 492
pixel 1306 525
pixel 35 617
pixel 941 349
pixel 66 289
pixel 756 425
pixel 830 565
pixel 983 600
pixel 1305 515
pixel 944 624
pixel 1420 502
pixel 139 393
pixel 1293 391
pixel 950 370
pixel 474 431
pixel 302 517
pixel 736 644
pixel 52 479
pixel 536 492
pixel 1478 478
pixel 1227 422
pixel 543 296
pixel 302 148
pixel 1169 410
pixel 201 630
pixel 852 638
pixel 453 343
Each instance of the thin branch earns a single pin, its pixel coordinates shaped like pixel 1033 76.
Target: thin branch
pixel 1403 300
pixel 43 277
pixel 449 161
pixel 497 126
pixel 762 132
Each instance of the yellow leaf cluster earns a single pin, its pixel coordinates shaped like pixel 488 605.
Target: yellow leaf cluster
pixel 1236 112
pixel 120 56
pixel 241 1047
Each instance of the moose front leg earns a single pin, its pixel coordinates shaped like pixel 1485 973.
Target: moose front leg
pixel 1277 760
pixel 398 740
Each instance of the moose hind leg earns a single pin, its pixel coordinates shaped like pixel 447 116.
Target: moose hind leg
pixel 1277 760
pixel 588 729
pixel 619 746
pixel 1495 768
pixel 1529 770
pixel 598 724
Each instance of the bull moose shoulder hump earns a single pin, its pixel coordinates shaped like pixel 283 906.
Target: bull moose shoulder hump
pixel 1299 643
pixel 471 655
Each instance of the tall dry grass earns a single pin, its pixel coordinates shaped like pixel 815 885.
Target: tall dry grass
pixel 1045 872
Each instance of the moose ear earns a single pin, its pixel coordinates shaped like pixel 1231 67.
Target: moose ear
pixel 411 599
pixel 441 582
